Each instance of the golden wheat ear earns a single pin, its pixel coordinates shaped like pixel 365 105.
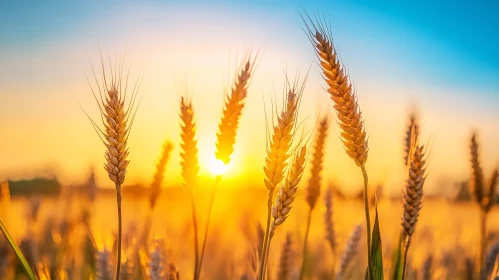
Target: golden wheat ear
pixel 117 114
pixel 340 90
pixel 233 107
pixel 190 166
pixel 289 189
pixel 286 259
pixel 328 219
pixel 313 189
pixel 159 174
pixel 189 150
pixel 477 185
pixel 350 250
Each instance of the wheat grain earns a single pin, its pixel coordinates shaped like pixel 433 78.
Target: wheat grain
pixel 286 259
pixel 350 250
pixel 234 104
pixel 159 174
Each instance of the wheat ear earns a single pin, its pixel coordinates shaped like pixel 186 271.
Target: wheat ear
pixel 234 104
pixel 348 112
pixel 156 262
pixel 286 259
pixel 173 272
pixel 278 152
pixel 350 250
pixel 159 174
pixel 427 268
pixel 226 135
pixel 482 196
pixel 313 189
pixel 103 263
pixel 286 195
pixel 190 165
pixel 490 200
pixel 413 194
pixel 288 190
pixel 117 119
pixel 477 185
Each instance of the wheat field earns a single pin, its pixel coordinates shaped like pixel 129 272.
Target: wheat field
pixel 293 222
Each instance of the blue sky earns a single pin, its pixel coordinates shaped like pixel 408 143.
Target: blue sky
pixel 454 42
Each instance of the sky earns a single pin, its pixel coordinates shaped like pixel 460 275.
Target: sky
pixel 437 56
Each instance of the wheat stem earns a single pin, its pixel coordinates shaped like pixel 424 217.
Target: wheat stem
pixel 196 246
pixel 305 244
pixel 210 207
pixel 483 236
pixel 368 220
pixel 407 243
pixel 261 269
pixel 118 201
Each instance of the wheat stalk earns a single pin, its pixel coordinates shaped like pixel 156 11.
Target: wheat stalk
pixel 286 259
pixel 413 194
pixel 159 174
pixel 350 250
pixel 226 135
pixel 484 197
pixel 278 152
pixel 190 165
pixel 117 120
pixel 347 109
pixel 313 189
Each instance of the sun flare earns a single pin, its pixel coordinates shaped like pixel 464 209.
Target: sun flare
pixel 218 167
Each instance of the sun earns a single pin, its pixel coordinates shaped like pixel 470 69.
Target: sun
pixel 218 167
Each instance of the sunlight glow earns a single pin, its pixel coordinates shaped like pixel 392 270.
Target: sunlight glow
pixel 218 167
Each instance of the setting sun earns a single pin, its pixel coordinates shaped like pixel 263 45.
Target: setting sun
pixel 218 167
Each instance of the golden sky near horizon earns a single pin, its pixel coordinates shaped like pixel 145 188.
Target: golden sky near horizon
pixel 43 130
